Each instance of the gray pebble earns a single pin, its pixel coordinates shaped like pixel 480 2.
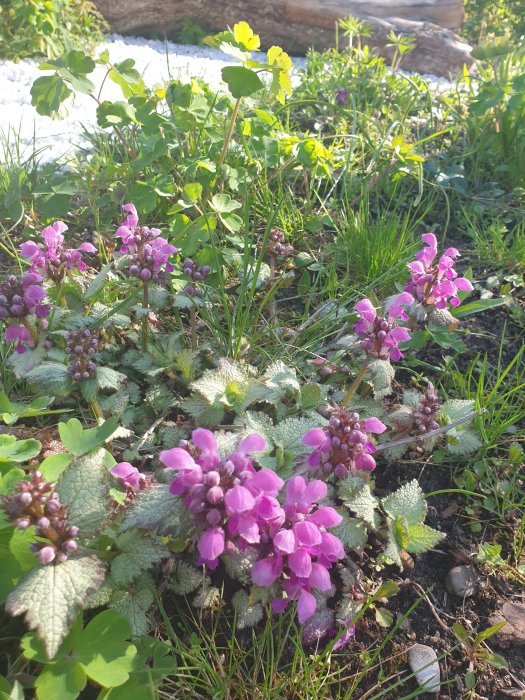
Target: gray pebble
pixel 424 664
pixel 462 581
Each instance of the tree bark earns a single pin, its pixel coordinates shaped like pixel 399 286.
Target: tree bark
pixel 297 25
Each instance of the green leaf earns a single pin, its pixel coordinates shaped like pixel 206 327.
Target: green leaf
pixel 79 441
pixel 310 395
pixel 381 376
pixel 108 378
pixel 224 204
pixel 137 554
pixel 384 617
pixel 456 409
pixel 156 509
pixel 248 612
pixel 52 595
pixel 185 577
pixel 357 497
pixel 98 282
pixel 106 657
pixel 51 378
pixel 422 538
pixel 48 95
pixel 53 466
pixel 460 633
pixel 241 82
pixel 489 632
pixel 133 604
pixel 400 532
pixel 111 114
pixel 13 450
pixel 84 486
pixel 351 532
pixel 476 307
pixel 65 680
pixel 143 195
pixel 408 502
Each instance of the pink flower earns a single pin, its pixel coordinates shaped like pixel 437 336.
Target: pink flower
pixel 21 297
pixel 21 335
pixel 344 445
pixel 302 551
pixel 128 475
pixel 51 259
pixel 230 504
pixel 379 336
pixel 436 285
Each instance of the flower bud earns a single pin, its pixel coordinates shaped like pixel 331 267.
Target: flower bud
pixel 46 555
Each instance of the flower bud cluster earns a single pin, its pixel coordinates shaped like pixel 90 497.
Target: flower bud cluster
pixel 379 336
pixel 36 503
pixel 344 445
pixel 81 348
pixel 428 410
pixel 149 252
pixel 277 245
pixel 196 273
pixel 50 258
pixel 21 297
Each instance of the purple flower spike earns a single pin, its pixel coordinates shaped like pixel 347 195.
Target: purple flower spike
pixel 436 284
pixel 51 258
pixel 21 297
pixel 149 252
pixel 380 336
pixel 302 550
pixel 343 446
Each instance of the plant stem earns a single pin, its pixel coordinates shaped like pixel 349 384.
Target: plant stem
pixel 144 322
pixel 426 436
pixel 229 133
pixel 97 411
pixel 354 386
pixel 193 327
pixel 32 331
pixel 272 304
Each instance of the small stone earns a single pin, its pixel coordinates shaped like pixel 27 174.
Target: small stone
pixel 424 664
pixel 462 581
pixel 513 634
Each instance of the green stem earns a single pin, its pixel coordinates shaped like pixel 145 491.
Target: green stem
pixel 32 331
pixel 354 386
pixel 145 304
pixel 193 327
pixel 97 411
pixel 230 131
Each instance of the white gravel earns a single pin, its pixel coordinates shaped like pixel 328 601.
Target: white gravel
pixel 157 61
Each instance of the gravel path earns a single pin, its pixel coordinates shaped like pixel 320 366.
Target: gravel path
pixel 158 61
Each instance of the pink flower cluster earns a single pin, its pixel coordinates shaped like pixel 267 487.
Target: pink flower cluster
pixel 233 507
pixel 380 336
pixel 51 259
pixel 230 503
pixel 148 250
pixel 344 445
pixel 302 551
pixel 436 284
pixel 21 297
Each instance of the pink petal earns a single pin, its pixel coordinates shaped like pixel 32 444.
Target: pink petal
pixel 87 248
pixel 374 425
pixel 177 458
pixel 204 440
pixel 266 571
pixel 325 517
pixel 320 578
pixel 280 604
pixel 295 489
pixel 211 544
pixel 268 508
pixel 307 533
pixel 332 547
pixel 28 249
pixel 248 529
pixel 365 463
pixel 463 284
pixel 315 491
pixel 429 239
pixel 252 443
pixel 285 542
pixel 238 500
pixel 315 438
pixel 14 332
pixel 395 310
pixel 366 310
pixel 267 480
pixel 306 606
pixel 300 562
pixel 397 335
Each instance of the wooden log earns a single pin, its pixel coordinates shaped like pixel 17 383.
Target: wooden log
pixel 297 25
